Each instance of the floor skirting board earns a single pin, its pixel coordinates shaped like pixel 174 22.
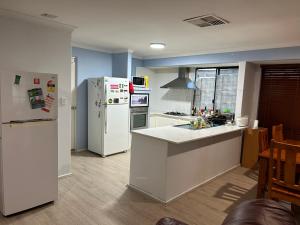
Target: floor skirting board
pixel 64 175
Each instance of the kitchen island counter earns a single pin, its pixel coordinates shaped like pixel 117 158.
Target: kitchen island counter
pixel 179 135
pixel 167 162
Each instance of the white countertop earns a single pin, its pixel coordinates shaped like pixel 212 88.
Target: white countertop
pixel 187 118
pixel 180 135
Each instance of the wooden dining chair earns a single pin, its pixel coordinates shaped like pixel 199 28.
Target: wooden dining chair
pixel 263 139
pixel 277 132
pixel 263 145
pixel 283 184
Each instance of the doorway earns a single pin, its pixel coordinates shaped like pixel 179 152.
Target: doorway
pixel 73 102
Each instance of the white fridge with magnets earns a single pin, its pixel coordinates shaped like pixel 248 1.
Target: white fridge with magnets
pixel 108 115
pixel 28 148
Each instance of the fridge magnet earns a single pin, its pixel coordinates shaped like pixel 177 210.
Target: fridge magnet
pixel 48 103
pixel 36 80
pixel 51 86
pixel 17 79
pixel 36 98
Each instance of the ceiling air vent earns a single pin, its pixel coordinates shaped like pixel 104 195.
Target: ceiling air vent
pixel 48 15
pixel 206 21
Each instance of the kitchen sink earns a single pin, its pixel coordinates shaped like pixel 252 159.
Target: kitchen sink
pixel 188 126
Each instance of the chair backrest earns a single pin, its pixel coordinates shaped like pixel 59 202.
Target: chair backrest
pixel 277 132
pixel 263 139
pixel 282 165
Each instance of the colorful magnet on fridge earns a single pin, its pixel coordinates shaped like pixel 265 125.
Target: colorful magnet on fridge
pixel 17 79
pixel 48 103
pixel 36 81
pixel 36 98
pixel 51 86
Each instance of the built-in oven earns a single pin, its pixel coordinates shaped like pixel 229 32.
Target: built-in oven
pixel 139 118
pixel 139 104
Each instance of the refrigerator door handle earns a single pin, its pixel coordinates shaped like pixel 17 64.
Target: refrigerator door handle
pixel 105 119
pixel 105 93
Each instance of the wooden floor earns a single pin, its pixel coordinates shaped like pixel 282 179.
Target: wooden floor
pixel 96 194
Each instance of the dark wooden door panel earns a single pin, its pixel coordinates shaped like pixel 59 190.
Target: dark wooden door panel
pixel 280 99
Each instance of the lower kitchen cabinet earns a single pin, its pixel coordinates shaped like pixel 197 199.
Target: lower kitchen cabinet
pixel 152 121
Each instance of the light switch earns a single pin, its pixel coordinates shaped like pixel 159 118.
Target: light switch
pixel 63 101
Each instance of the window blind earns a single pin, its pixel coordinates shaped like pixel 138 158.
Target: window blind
pixel 280 99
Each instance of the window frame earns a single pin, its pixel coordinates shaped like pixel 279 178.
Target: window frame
pixel 218 69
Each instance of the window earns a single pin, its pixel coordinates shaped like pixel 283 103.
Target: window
pixel 217 88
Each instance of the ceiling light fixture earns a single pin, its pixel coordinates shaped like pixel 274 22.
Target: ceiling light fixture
pixel 157 45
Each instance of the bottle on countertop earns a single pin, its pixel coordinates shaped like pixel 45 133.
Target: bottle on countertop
pixel 146 81
pixel 200 112
pixel 194 111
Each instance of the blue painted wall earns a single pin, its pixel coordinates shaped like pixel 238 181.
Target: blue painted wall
pixel 90 64
pixel 129 65
pixel 136 63
pixel 229 57
pixel 120 64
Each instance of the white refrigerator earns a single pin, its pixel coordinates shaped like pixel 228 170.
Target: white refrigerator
pixel 108 115
pixel 28 145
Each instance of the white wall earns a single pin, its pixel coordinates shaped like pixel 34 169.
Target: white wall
pixel 30 46
pixel 248 90
pixel 165 99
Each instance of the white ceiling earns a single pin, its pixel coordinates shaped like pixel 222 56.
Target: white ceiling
pixel 116 25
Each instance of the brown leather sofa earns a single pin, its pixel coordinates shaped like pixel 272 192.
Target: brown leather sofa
pixel 254 212
pixel 170 221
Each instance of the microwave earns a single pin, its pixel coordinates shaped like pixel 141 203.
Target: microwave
pixel 138 81
pixel 139 100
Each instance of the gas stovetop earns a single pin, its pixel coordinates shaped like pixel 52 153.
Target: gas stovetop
pixel 176 113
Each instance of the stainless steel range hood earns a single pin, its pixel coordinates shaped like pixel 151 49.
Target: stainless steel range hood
pixel 182 82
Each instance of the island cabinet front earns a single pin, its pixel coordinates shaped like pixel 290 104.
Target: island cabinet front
pixel 165 170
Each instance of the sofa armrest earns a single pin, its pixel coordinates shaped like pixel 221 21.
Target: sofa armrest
pixel 170 221
pixel 260 212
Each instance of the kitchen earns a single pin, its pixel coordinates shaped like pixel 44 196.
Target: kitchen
pixel 181 100
pixel 195 124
